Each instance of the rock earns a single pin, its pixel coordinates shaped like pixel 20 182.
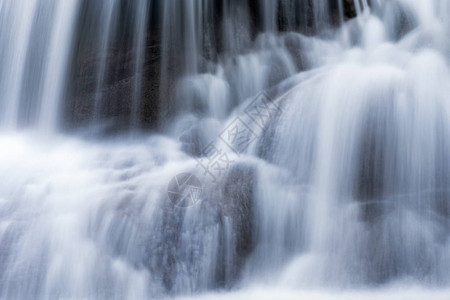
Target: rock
pixel 183 242
pixel 349 9
pixel 238 192
pixel 159 78
pixel 369 187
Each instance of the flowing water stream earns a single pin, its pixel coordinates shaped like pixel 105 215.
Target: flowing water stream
pixel 338 186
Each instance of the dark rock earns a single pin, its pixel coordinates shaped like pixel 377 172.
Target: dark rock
pixel 228 210
pixel 197 248
pixel 238 204
pixel 294 44
pixel 191 141
pixel 370 174
pixel 160 78
pixel 349 8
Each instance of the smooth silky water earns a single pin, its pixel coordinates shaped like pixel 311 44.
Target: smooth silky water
pixel 344 194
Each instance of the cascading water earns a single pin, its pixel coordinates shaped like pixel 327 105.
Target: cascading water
pixel 19 18
pixel 107 13
pixel 337 188
pixel 139 48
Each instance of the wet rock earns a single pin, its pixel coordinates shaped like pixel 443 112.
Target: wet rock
pixel 294 44
pixel 116 92
pixel 157 105
pixel 237 204
pixel 349 9
pixel 191 141
pixel 399 17
pixel 369 179
pixel 206 245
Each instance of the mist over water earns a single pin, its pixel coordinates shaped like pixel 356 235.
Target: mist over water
pixel 340 191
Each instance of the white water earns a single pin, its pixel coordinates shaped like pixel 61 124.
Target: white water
pixel 19 18
pixel 400 292
pixel 55 75
pixel 13 58
pixel 139 48
pixel 348 187
pixel 108 12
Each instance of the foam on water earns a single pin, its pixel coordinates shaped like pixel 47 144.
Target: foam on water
pixel 288 294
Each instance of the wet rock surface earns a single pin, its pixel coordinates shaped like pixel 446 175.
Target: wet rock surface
pixel 193 248
pixel 119 80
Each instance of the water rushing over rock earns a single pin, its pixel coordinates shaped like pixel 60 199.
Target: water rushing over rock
pixel 315 136
pixel 36 40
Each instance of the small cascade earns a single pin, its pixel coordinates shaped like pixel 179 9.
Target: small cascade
pixel 139 49
pixel 191 37
pixel 19 19
pixel 56 73
pixel 269 15
pixel 108 13
pixel 16 32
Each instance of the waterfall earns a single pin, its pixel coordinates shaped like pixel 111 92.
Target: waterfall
pixel 13 58
pixel 227 149
pixel 139 46
pixel 107 14
pixel 18 44
pixel 58 59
